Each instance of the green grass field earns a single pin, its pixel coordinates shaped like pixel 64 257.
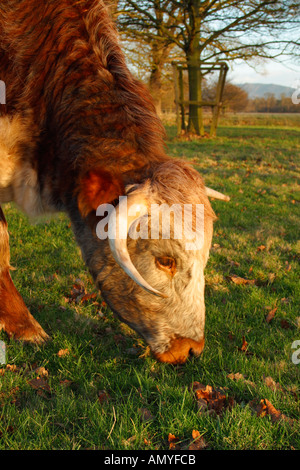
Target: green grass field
pixel 96 386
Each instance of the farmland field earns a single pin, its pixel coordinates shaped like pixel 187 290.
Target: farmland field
pixel 95 385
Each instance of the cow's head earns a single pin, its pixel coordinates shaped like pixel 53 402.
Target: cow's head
pixel 153 276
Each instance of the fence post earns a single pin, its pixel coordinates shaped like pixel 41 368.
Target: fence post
pixel 217 107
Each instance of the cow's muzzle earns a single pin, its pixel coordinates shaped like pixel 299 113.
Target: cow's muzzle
pixel 181 349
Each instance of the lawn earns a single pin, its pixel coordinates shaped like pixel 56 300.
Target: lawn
pixel 95 385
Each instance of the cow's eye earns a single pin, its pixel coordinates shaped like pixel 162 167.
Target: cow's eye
pixel 167 264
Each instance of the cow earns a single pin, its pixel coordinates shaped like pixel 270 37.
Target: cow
pixel 78 132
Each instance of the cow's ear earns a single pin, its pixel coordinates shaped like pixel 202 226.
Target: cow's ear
pixel 98 187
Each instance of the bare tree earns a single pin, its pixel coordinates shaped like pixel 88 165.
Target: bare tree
pixel 214 30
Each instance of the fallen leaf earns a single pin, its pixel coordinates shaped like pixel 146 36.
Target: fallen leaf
pixel 210 400
pixel 202 405
pixel 288 267
pixel 65 382
pixel 237 376
pixel 241 281
pixel 271 277
pixel 266 408
pixel 271 314
pixel 10 368
pixel 145 414
pixel 88 297
pixel 198 442
pixel 41 372
pixel 285 324
pixel 79 293
pixel 63 352
pixel 39 383
pixel 261 248
pixel 244 346
pixel 270 382
pixel 129 441
pixel 103 396
pixel 173 442
pixel 11 394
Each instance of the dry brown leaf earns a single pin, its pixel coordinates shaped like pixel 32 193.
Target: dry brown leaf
pixel 129 441
pixel 39 383
pixel 244 346
pixel 266 408
pixel 88 297
pixel 270 382
pixel 209 399
pixel 195 434
pixel 173 442
pixel 238 376
pixel 261 248
pixel 79 293
pixel 41 372
pixel 146 414
pixel 103 396
pixel 285 324
pixel 271 314
pixel 198 442
pixel 288 267
pixel 65 382
pixel 63 352
pixel 10 368
pixel 240 280
pixel 11 394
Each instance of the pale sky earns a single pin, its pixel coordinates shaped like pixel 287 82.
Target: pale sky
pixel 286 74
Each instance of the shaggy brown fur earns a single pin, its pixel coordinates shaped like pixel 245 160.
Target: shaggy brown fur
pixel 62 63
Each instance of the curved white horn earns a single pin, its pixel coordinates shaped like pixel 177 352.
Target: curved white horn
pixel 119 224
pixel 212 193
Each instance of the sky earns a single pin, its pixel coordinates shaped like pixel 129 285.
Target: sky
pixel 285 73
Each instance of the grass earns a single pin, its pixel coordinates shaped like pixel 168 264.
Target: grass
pixel 103 389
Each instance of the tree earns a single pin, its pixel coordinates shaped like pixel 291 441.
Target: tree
pixel 214 30
pixel 234 98
pixel 155 44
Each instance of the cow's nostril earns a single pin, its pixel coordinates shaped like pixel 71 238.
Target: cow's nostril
pixel 191 352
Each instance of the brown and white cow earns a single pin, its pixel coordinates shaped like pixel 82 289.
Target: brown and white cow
pixel 78 131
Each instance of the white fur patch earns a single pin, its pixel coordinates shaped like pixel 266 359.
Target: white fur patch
pixel 18 180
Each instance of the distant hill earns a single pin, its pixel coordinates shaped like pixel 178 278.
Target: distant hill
pixel 260 90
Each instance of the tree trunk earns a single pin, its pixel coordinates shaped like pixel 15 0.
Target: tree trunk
pixel 159 54
pixel 155 87
pixel 195 124
pixel 193 51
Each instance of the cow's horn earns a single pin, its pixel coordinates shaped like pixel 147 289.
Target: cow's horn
pixel 120 222
pixel 212 193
